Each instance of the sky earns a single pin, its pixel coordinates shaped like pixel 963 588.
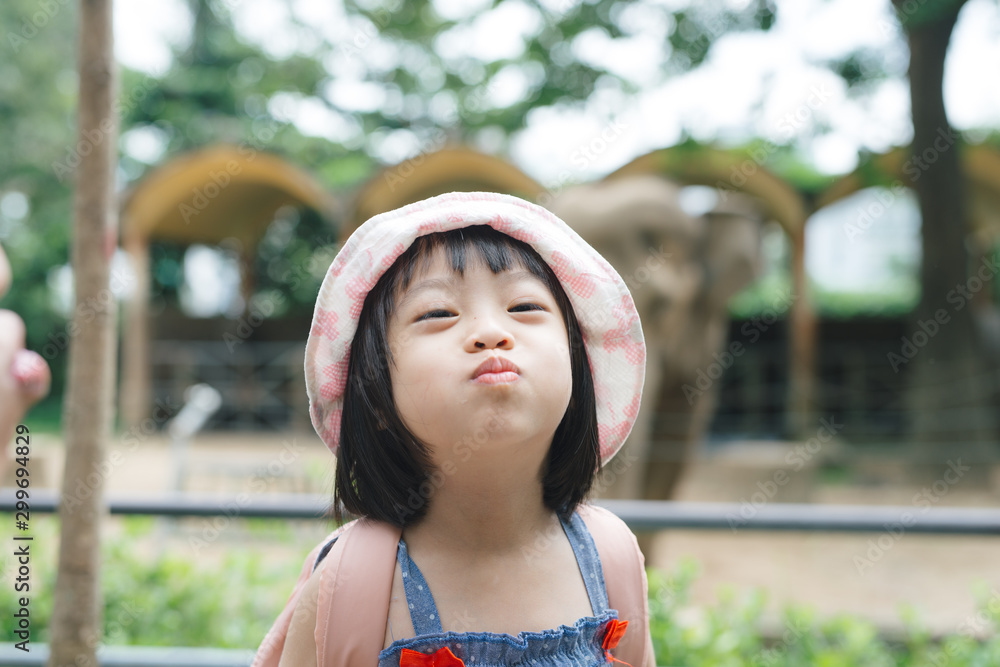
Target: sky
pixel 766 85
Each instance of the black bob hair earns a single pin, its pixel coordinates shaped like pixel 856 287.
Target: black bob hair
pixel 383 472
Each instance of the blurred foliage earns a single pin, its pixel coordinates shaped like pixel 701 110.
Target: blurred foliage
pixel 728 634
pixel 37 133
pixel 860 68
pixel 424 81
pixel 770 294
pixel 165 597
pixel 915 14
pixel 218 89
pixel 222 87
pixel 291 262
pixel 896 301
pixel 155 596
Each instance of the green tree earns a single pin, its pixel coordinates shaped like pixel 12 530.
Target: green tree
pixel 37 135
pixel 453 96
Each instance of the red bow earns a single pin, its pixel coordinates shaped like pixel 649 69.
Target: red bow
pixel 442 658
pixel 612 635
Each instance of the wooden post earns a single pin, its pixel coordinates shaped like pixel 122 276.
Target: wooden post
pixel 89 403
pixel 135 377
pixel 802 344
pixel 247 278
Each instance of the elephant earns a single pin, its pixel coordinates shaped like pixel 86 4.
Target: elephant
pixel 681 271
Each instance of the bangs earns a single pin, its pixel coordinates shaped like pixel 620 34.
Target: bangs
pixel 477 244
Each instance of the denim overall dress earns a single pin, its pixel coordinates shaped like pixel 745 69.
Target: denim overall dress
pixel 579 644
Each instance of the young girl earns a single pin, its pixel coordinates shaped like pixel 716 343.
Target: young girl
pixel 472 364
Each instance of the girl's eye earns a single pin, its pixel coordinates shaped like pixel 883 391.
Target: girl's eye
pixel 439 313
pixel 434 314
pixel 531 306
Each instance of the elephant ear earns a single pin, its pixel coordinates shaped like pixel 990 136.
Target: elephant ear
pixel 732 247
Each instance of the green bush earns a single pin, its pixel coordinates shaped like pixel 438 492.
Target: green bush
pixel 167 598
pixel 728 634
pixel 157 597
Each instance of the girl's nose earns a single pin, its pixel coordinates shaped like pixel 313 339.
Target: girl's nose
pixel 488 333
pixel 503 344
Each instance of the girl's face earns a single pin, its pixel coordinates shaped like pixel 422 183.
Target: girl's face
pixel 445 327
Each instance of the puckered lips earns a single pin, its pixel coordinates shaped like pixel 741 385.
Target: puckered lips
pixel 496 370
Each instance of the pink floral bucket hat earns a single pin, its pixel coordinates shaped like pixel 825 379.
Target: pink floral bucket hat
pixel 602 303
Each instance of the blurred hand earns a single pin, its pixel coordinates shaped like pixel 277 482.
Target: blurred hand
pixel 24 375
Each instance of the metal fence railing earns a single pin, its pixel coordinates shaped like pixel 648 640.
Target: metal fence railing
pixel 135 656
pixel 638 514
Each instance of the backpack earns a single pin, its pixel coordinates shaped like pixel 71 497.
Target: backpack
pixel 356 581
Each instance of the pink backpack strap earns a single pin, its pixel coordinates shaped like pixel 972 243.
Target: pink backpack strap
pixel 353 604
pixel 269 653
pixel 625 578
